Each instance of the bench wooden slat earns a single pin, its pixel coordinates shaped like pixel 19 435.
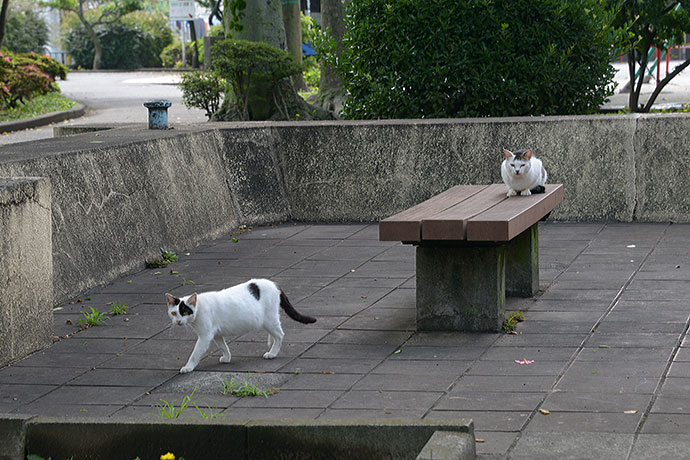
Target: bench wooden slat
pixel 451 224
pixel 406 225
pixel 508 219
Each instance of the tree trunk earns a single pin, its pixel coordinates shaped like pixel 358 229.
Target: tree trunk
pixel 97 48
pixel 293 34
pixel 263 21
pixel 3 19
pixel 330 95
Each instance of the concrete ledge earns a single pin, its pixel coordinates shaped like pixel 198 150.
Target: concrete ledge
pixel 446 445
pixel 42 120
pixel 26 267
pixel 241 439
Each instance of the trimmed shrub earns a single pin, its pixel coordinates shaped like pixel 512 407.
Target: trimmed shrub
pixel 202 90
pixel 23 76
pixel 469 58
pixel 25 31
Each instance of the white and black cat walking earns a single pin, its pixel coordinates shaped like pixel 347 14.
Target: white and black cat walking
pixel 523 173
pixel 240 309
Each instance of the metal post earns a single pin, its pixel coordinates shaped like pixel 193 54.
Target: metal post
pixel 158 114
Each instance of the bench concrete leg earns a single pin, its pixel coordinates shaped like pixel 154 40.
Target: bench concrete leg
pixel 522 264
pixel 460 289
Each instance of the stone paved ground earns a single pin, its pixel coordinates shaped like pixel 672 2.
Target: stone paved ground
pixel 607 336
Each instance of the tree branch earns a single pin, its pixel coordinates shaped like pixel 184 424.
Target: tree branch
pixel 663 83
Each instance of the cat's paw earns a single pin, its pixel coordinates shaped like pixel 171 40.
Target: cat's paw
pixel 186 370
pixel 525 193
pixel 268 355
pixel 223 359
pixel 511 192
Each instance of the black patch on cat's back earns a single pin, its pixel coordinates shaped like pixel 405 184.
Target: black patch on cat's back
pixel 185 310
pixel 254 290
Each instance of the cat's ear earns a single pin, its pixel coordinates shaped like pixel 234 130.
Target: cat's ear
pixel 191 301
pixel 508 154
pixel 170 298
pixel 528 154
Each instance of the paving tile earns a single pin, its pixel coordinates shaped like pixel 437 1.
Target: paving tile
pixel 533 445
pixel 339 366
pixel 92 395
pixel 448 339
pixel 515 383
pixel 203 400
pixel 579 294
pixel 64 360
pixel 584 401
pixel 394 400
pixel 489 401
pixel 42 375
pixel 15 395
pixel 661 446
pixel 422 367
pixel 367 337
pixel 451 352
pixel 81 344
pixel 124 377
pixel 371 414
pixel 561 305
pixel 391 319
pixel 672 404
pixel 604 384
pixel 530 326
pixel 304 381
pixel 540 340
pixel 349 351
pixel 485 420
pixel 595 422
pixel 614 325
pixel 493 442
pixel 305 399
pixel 170 361
pixel 632 339
pixel 679 369
pixel 510 367
pixel 621 369
pixel 676 386
pixel 666 424
pixel 406 382
pixel 510 354
pixel 398 298
pixel 283 414
pixel 68 410
pixel 606 353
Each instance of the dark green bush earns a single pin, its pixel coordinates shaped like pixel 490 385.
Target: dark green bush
pixel 135 42
pixel 25 31
pixel 465 58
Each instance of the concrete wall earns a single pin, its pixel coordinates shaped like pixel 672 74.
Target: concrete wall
pixel 119 195
pixel 26 269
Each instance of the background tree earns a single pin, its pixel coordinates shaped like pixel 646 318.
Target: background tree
pixel 3 19
pixel 96 13
pixel 292 20
pixel 659 23
pixel 468 58
pixel 330 95
pixel 25 30
pixel 263 22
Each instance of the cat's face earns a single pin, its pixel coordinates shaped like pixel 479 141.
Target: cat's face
pixel 518 162
pixel 181 311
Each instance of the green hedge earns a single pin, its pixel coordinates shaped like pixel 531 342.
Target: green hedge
pixel 466 58
pixel 134 42
pixel 25 31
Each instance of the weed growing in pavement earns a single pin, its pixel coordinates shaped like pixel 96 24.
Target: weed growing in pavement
pixel 511 320
pixel 92 318
pixel 168 410
pixel 117 309
pixel 245 389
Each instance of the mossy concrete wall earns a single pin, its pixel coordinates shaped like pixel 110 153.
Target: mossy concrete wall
pixel 26 268
pixel 119 195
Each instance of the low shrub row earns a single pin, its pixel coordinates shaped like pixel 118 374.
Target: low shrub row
pixel 25 75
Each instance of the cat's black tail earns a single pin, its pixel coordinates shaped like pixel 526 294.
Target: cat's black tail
pixel 292 313
pixel 538 189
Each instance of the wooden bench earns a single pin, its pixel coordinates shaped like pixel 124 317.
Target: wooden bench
pixel 474 246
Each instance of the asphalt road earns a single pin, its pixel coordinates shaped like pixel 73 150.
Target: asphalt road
pixel 116 97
